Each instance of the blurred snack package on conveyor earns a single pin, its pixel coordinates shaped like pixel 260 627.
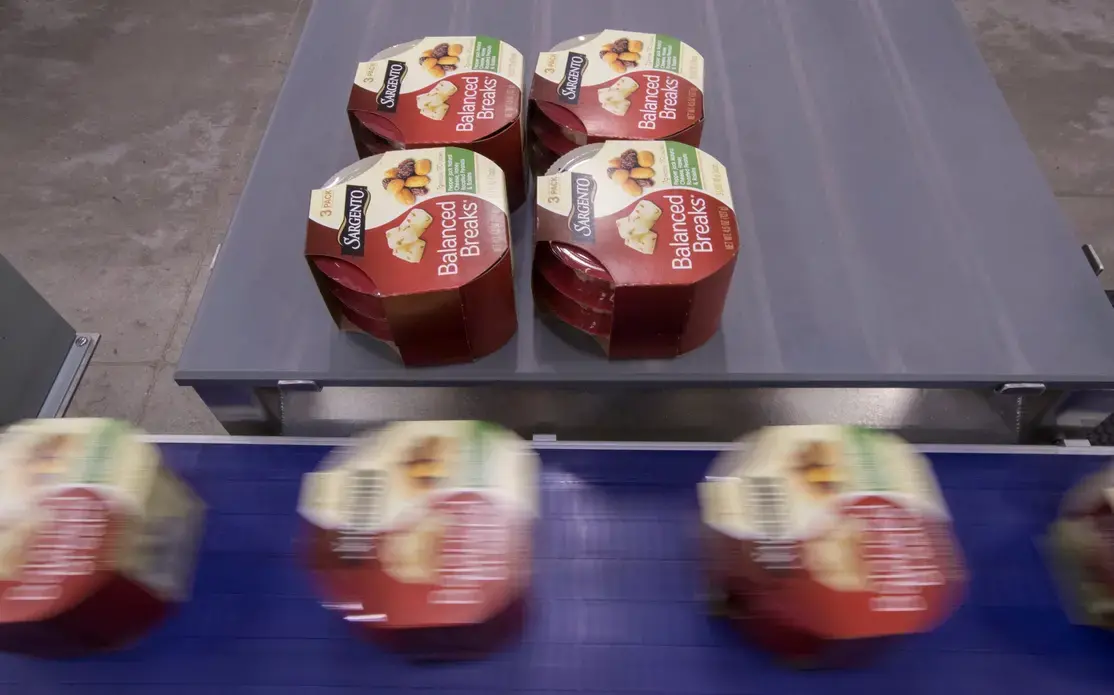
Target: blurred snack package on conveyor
pixel 97 538
pixel 421 533
pixel 1081 545
pixel 822 542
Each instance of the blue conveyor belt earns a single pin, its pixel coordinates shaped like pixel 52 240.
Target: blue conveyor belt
pixel 616 607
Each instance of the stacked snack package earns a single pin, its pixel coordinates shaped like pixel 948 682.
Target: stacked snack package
pixel 1081 542
pixel 635 245
pixel 97 538
pixel 413 248
pixel 614 85
pixel 421 535
pixel 440 91
pixel 822 542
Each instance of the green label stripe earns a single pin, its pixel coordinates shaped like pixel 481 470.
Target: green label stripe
pixel 486 55
pixel 684 167
pixel 460 170
pixel 868 460
pixel 99 452
pixel 667 53
pixel 476 457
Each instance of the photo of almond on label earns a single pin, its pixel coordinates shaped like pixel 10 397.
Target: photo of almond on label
pixel 442 58
pixel 622 53
pixel 633 170
pixel 409 180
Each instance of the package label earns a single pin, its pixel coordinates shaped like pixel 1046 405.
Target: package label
pixel 416 220
pixel 77 497
pixel 848 524
pixel 649 212
pixel 428 524
pixel 622 84
pixel 60 556
pixel 443 89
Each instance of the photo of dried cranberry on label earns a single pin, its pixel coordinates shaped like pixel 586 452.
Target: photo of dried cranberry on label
pixel 633 170
pixel 409 179
pixel 622 54
pixel 442 58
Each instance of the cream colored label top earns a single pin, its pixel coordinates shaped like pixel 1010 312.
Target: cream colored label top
pixel 460 54
pixel 796 478
pixel 669 165
pixel 388 480
pixel 433 173
pixel 644 52
pixel 42 456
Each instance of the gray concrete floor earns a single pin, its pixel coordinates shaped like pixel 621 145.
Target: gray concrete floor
pixel 122 170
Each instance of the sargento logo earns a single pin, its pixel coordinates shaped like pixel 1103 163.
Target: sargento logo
pixel 387 98
pixel 351 236
pixel 568 92
pixel 582 217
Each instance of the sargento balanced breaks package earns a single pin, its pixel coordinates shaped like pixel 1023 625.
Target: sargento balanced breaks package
pixel 635 244
pixel 822 541
pixel 413 248
pixel 421 535
pixel 444 90
pixel 616 85
pixel 98 538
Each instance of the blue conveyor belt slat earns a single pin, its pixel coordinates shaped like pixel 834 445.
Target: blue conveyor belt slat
pixel 616 604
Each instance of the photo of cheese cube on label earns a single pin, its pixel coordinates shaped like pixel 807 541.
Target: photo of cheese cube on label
pixel 419 220
pixel 443 88
pixel 613 102
pixel 647 211
pixel 629 228
pixel 429 100
pixel 410 231
pixel 411 253
pixel 398 237
pixel 624 86
pixel 615 99
pixel 434 103
pixel 636 229
pixel 435 112
pixel 643 243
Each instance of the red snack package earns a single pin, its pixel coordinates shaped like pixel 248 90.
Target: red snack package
pixel 420 535
pixel 649 231
pixel 419 242
pixel 822 542
pixel 97 538
pixel 463 91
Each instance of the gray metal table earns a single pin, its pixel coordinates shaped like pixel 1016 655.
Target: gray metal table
pixel 897 231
